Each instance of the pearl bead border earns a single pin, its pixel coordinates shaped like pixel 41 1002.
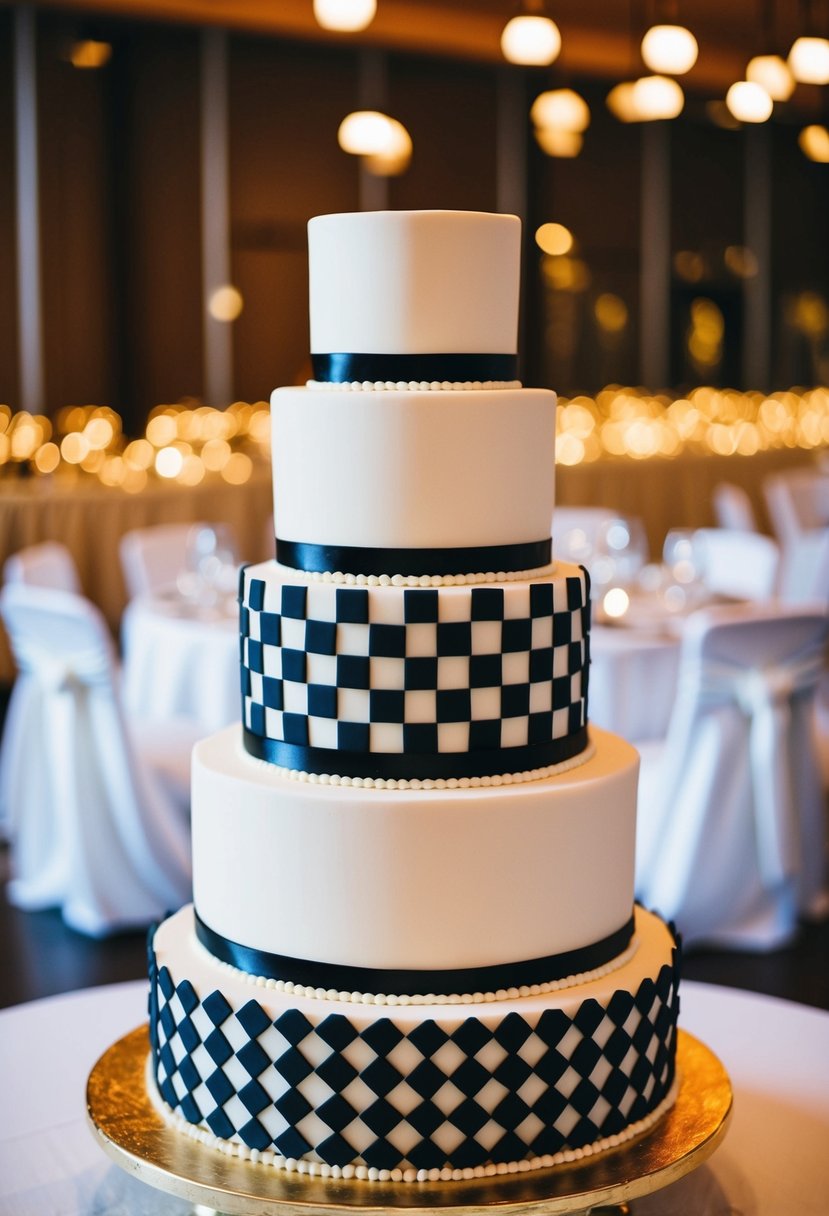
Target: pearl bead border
pixel 411 386
pixel 424 783
pixel 419 580
pixel 392 1000
pixel 362 1173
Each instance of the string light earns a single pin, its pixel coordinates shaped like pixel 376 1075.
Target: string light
pixel 657 97
pixel 562 109
pixel 346 16
pixel 749 102
pixel 669 49
pixel 814 143
pixel 531 38
pixel 809 60
pixel 773 74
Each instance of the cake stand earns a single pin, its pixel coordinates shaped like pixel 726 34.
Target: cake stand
pixel 132 1132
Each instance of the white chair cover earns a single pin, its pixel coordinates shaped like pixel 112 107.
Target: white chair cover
pixel 46 565
pixel 733 509
pixel 152 558
pixel 731 840
pixel 93 830
pixel 804 569
pixel 742 565
pixel 797 501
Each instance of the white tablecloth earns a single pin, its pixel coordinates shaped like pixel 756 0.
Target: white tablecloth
pixel 633 678
pixel 181 664
pixel 774 1160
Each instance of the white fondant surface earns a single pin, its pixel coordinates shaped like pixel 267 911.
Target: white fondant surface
pixel 413 469
pixel 413 878
pixel 399 282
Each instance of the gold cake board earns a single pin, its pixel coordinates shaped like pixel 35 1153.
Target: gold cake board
pixel 133 1133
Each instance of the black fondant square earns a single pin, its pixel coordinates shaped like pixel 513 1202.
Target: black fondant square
pixel 381 1077
pixel 470 1077
pixel 425 1119
pixel 256 594
pixel 540 729
pixel 427 1037
pixel 541 665
pixel 353 671
pixel 219 1087
pixel 252 1058
pixel 254 1135
pixel 485 670
pixel 426 1079
pixel 454 638
pixel 293 1066
pixel 485 735
pixel 352 605
pixel 487 603
pixel 244 621
pixel 516 635
pixel 469 1117
pixel 335 1150
pixel 337 1031
pixel 420 738
pixel 387 705
pixel 188 1034
pixel 291 1144
pixel 420 673
pixel 217 1047
pixel 381 1117
pixel 272 693
pixel 270 631
pixel 245 681
pixel 219 1124
pixel 562 629
pixel 510 1112
pixel 293 601
pixel 541 599
pixel 471 1036
pixel 575 657
pixel 381 1036
pixel 321 637
pixel 295 729
pixel 420 605
pixel 216 1006
pixel 257 718
pixel 190 1109
pixel 353 736
pixel 294 665
pixel 381 1155
pixel 336 1072
pixel 512 1032
pixel 575 594
pixel 336 1112
pixel 292 1106
pixel 254 1097
pixel 454 705
pixel 515 700
pixel 387 641
pixel 255 658
pixel 561 692
pixel 322 701
pixel 189 1073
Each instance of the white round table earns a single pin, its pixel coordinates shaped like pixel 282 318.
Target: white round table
pixel 774 1160
pixel 633 680
pixel 181 661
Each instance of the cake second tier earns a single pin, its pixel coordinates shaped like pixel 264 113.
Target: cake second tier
pixel 387 682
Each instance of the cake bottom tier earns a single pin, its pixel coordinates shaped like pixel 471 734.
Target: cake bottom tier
pixel 411 1092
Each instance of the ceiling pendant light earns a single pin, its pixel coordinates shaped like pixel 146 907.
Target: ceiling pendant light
pixel 347 16
pixel 749 102
pixel 669 49
pixel 657 97
pixel 531 38
pixel 773 74
pixel 809 60
pixel 814 143
pixel 561 110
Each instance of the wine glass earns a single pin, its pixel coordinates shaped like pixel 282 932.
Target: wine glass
pixel 210 566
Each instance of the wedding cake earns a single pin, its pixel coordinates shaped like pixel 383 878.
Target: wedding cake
pixel 413 952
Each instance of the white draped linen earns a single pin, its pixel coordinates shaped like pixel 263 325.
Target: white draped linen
pixel 731 834
pixel 98 813
pixel 180 663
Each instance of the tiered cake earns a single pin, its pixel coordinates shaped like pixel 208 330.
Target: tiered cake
pixel 413 952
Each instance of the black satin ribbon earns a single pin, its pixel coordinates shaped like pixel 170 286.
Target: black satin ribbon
pixel 344 367
pixel 409 982
pixel 408 766
pixel 352 559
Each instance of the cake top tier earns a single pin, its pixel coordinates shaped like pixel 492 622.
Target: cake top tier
pixel 414 283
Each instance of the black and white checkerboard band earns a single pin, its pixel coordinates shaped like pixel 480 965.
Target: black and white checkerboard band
pixel 460 1092
pixel 500 687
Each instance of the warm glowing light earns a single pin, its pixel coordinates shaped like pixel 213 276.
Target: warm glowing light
pixel 620 102
pixel 370 133
pixel 47 458
pixel 89 53
pixel 657 97
pixel 616 602
pixel 689 265
pixel 611 312
pixel 749 102
pixel 161 430
pixel 669 48
pixel 168 462
pixel 555 142
pixel 562 109
pixel 531 40
pixel 238 469
pixel 225 303
pixel 554 239
pixel 814 143
pixel 741 261
pixel 396 158
pixel 99 432
pixel 74 448
pixel 809 60
pixel 345 15
pixel 773 74
pixel 215 454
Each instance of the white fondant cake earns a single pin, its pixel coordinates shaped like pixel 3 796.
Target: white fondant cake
pixel 413 952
